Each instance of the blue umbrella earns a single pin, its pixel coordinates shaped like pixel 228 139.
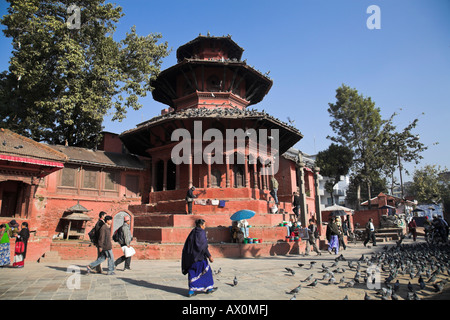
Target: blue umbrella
pixel 242 214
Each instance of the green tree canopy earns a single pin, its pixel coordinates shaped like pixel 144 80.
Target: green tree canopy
pixel 428 186
pixel 334 162
pixel 62 81
pixel 357 124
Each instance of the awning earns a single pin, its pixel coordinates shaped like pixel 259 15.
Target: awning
pixel 46 163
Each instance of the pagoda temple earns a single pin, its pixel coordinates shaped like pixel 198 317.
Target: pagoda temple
pixel 210 87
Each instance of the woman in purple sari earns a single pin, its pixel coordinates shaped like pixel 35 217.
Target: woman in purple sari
pixel 194 261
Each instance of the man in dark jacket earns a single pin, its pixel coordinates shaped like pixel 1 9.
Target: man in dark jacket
pixel 296 205
pixel 190 198
pixel 105 248
pixel 333 235
pixel 98 225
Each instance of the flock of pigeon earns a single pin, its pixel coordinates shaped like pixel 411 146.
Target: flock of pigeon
pixel 414 269
pixel 402 272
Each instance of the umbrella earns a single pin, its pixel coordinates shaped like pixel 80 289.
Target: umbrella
pixel 242 214
pixel 338 213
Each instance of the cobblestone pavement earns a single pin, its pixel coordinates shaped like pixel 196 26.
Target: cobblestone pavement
pixel 263 278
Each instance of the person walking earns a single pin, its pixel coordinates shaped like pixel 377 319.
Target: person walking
pixel 313 235
pixel 21 246
pixel 194 261
pixel 98 226
pixel 190 198
pixel 412 226
pixel 333 236
pixel 370 230
pixel 125 240
pixel 105 248
pixel 296 205
pixel 5 251
pixel 340 225
pixel 274 190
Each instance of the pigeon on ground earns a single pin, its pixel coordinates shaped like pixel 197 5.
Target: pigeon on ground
pixel 235 281
pixel 293 298
pixel 290 271
pixel 367 297
pixel 300 265
pixel 295 290
pixel 396 286
pixel 438 287
pixel 350 284
pixel 308 278
pixel 410 287
pixel 422 284
pixel 313 284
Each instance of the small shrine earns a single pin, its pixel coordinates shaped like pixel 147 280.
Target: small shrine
pixel 76 222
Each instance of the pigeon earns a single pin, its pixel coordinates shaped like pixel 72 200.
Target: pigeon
pixel 235 281
pixel 438 287
pixel 300 265
pixel 218 271
pixel 367 297
pixel 294 297
pixel 332 280
pixel 313 284
pixel 394 296
pixel 308 278
pixel 350 284
pixel 389 279
pixel 295 290
pixel 422 284
pixel 432 279
pixel 362 258
pixel 410 287
pixel 346 297
pixel 290 270
pixel 396 286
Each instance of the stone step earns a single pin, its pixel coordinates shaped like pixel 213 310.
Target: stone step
pixel 215 234
pixel 212 219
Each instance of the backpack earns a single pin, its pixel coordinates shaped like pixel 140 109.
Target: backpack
pixel 118 235
pixel 93 236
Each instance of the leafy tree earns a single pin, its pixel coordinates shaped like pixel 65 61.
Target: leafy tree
pixel 355 193
pixel 357 124
pixel 334 163
pixel 427 185
pixel 399 148
pixel 62 81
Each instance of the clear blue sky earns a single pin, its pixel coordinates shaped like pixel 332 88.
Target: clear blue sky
pixel 311 47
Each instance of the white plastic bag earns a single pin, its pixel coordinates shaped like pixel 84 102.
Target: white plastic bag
pixel 128 251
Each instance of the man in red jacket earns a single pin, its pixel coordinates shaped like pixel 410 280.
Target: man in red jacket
pixel 104 247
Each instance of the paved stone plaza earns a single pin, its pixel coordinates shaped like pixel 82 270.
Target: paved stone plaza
pixel 262 278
